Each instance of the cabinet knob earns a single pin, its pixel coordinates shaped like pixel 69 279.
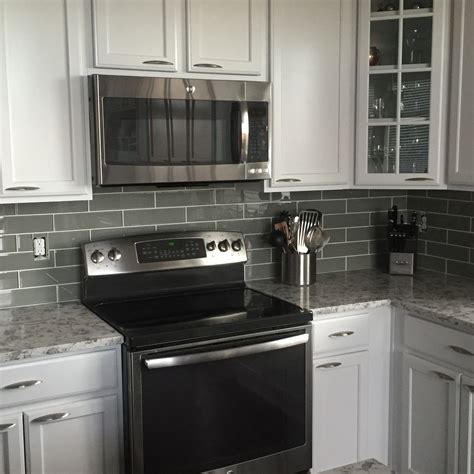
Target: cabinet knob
pixel 7 426
pixel 158 62
pixel 209 65
pixel 22 384
pixel 50 417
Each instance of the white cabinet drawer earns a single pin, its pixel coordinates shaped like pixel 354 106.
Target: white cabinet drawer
pixel 340 334
pixel 441 343
pixel 58 377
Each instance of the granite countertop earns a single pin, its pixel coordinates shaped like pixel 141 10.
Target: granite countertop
pixel 369 466
pixel 35 331
pixel 444 299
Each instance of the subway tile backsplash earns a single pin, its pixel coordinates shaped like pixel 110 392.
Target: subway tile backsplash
pixel 354 218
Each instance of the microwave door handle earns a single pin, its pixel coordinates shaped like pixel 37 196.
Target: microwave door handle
pixel 244 132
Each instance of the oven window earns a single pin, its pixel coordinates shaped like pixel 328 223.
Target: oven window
pixel 163 132
pixel 208 415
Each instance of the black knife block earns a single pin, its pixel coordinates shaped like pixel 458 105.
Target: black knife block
pixel 402 245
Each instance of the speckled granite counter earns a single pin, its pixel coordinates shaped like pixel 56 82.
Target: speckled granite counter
pixel 36 331
pixel 444 299
pixel 369 466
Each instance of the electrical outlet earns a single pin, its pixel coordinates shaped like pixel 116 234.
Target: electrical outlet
pixel 423 222
pixel 40 249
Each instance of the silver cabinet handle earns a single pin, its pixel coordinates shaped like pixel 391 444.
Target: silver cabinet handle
pixel 22 384
pixel 7 426
pixel 329 365
pixel 288 180
pixel 210 65
pixel 469 388
pixel 341 334
pixel 22 188
pixel 158 62
pixel 419 179
pixel 50 417
pixel 159 363
pixel 461 350
pixel 443 376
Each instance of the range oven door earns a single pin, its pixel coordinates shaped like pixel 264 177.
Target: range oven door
pixel 237 405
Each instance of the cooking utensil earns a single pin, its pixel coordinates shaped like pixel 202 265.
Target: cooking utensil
pixel 307 219
pixel 278 239
pixel 316 239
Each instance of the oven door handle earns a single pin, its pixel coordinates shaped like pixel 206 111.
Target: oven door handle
pixel 162 362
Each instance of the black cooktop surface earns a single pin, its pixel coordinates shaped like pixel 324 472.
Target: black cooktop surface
pixel 177 318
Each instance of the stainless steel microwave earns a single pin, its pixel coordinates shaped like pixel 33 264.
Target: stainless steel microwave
pixel 158 130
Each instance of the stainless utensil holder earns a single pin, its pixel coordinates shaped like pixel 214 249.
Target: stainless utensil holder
pixel 298 269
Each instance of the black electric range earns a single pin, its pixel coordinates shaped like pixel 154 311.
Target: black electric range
pixel 214 353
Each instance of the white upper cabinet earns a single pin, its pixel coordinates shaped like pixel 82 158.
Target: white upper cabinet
pixel 402 93
pixel 227 37
pixel 44 125
pixel 137 34
pixel 461 134
pixel 313 74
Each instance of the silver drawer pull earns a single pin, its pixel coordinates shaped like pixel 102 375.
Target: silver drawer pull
pixel 419 179
pixel 23 384
pixel 51 417
pixel 158 62
pixel 443 376
pixel 7 426
pixel 210 65
pixel 288 180
pixel 461 350
pixel 329 365
pixel 341 334
pixel 469 388
pixel 22 188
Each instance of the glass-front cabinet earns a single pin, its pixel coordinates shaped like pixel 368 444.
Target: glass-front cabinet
pixel 401 92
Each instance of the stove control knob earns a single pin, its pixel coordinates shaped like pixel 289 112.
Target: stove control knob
pixel 97 256
pixel 211 246
pixel 223 245
pixel 115 254
pixel 237 245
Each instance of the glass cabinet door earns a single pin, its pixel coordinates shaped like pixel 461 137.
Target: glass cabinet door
pixel 399 74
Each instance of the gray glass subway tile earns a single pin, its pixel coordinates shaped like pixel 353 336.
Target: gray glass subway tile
pixel 88 220
pixel 187 226
pixel 23 224
pixel 421 246
pixel 241 194
pixel 50 276
pixel 259 256
pixel 445 194
pixel 154 216
pixel 465 239
pixel 68 257
pixel 445 221
pixel 366 233
pixel 400 202
pixel 106 202
pixel 27 296
pixel 8 280
pixel 7 244
pixel 460 269
pixel 337 206
pixel 23 260
pixel 461 208
pixel 264 271
pixel 417 192
pixel 380 217
pixel 7 209
pixel 337 235
pixel 432 263
pixel 52 207
pixel 103 234
pixel 71 292
pixel 272 209
pixel 345 220
pixel 329 265
pixel 147 188
pixel 344 249
pixel 70 239
pixel 185 198
pixel 257 241
pixel 421 204
pixel 369 204
pixel 451 252
pixel 247 226
pixel 208 213
pixel 387 192
pixel 363 262
pixel 378 246
pixel 306 195
pixel 346 194
pixel 106 189
pixel 434 234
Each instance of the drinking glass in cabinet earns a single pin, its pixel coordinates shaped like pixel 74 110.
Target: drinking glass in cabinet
pixel 382 154
pixel 384 37
pixel 417 4
pixel 415 97
pixel 382 96
pixel 417 41
pixel 414 146
pixel 389 7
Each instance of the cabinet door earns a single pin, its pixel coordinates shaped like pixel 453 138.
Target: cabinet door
pixel 44 151
pixel 79 437
pixel 227 37
pixel 313 73
pixel 461 135
pixel 137 34
pixel 466 440
pixel 340 410
pixel 430 417
pixel 12 455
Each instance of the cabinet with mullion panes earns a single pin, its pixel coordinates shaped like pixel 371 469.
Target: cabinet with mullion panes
pixel 401 92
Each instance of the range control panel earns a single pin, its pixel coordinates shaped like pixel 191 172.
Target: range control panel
pixel 156 252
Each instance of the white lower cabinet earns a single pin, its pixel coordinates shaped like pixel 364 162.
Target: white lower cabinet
pixel 340 413
pixel 12 460
pixel 430 416
pixel 466 434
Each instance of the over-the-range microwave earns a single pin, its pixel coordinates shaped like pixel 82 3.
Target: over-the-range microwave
pixel 158 130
